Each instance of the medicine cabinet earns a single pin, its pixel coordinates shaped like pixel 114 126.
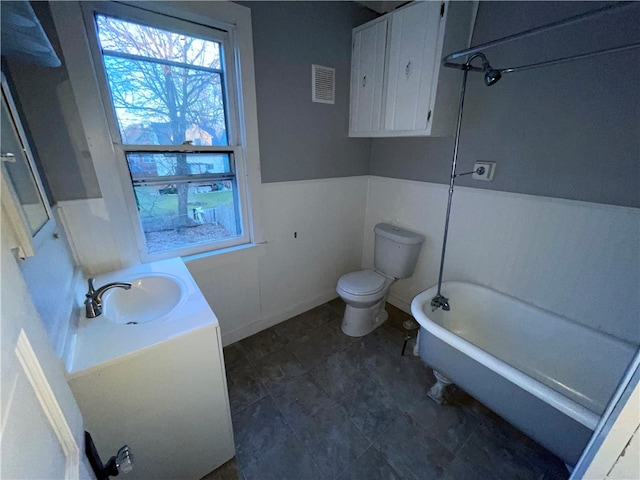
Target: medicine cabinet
pixel 23 197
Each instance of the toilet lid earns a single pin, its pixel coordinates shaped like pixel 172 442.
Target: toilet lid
pixel 363 282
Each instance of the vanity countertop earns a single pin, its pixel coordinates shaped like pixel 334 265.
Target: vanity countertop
pixel 99 341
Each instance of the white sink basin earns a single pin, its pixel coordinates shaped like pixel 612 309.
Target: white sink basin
pixel 151 297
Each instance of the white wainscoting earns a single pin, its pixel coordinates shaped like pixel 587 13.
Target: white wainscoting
pixel 313 231
pixel 90 233
pixel 580 260
pixel 51 279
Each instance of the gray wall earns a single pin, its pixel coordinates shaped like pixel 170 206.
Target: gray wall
pixel 568 131
pixel 300 139
pixel 52 122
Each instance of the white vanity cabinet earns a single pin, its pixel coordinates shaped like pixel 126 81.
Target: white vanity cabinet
pixel 168 402
pixel 401 53
pixel 158 385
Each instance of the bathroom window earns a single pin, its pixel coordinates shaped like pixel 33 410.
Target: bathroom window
pixel 171 96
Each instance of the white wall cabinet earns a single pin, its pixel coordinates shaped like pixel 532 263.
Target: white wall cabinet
pixel 398 87
pixel 367 70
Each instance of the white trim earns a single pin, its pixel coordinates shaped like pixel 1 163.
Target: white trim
pixel 70 27
pixel 223 14
pixel 47 399
pixel 231 250
pixel 147 17
pixel 286 314
pixel 501 193
pixel 113 181
pixel 399 302
pixel 618 424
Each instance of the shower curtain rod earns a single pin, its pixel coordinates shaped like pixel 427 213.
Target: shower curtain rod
pixel 447 61
pixel 464 66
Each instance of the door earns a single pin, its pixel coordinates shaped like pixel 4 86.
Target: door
pixel 413 54
pixel 41 433
pixel 367 77
pixel 41 430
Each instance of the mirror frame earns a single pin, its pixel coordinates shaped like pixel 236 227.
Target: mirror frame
pixel 27 244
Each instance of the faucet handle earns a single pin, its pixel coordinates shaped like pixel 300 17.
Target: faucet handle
pixel 92 290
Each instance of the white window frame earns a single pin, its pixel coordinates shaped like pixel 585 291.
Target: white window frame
pixel 83 60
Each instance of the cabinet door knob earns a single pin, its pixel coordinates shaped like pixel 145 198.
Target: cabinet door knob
pixel 407 69
pixel 364 81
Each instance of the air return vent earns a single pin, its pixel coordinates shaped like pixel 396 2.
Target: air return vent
pixel 323 84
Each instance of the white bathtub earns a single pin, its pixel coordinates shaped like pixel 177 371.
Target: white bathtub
pixel 545 374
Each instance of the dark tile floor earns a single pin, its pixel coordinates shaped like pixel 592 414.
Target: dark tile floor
pixel 309 402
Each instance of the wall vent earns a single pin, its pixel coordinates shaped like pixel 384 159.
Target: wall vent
pixel 323 84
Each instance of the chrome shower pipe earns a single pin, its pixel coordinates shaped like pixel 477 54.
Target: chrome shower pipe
pixel 439 300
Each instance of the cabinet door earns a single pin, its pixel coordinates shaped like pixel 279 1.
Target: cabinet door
pixel 413 54
pixel 367 76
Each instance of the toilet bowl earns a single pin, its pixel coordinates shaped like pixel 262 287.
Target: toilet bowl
pixel 365 292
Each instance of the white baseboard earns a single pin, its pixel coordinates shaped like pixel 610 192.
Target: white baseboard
pixel 262 324
pixel 400 303
pixel 247 330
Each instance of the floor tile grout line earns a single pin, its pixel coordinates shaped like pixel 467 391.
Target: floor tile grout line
pixel 295 434
pixel 359 431
pixel 292 431
pixel 356 459
pixel 383 432
pixel 267 392
pixel 295 430
pixel 467 440
pixel 309 454
pixel 311 330
pixel 334 404
pixel 328 394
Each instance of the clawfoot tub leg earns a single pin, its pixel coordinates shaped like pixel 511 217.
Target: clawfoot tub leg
pixel 437 391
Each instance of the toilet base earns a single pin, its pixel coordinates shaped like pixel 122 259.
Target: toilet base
pixel 358 322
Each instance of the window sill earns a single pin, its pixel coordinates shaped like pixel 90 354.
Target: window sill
pixel 227 254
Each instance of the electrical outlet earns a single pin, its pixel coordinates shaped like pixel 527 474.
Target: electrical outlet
pixel 487 174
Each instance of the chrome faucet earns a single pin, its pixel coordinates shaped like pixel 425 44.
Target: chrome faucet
pixel 93 303
pixel 440 301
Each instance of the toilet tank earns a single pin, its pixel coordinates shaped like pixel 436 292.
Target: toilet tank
pixel 396 250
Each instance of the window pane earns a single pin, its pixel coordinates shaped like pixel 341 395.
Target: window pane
pixel 143 165
pixel 158 98
pixel 131 38
pixel 181 215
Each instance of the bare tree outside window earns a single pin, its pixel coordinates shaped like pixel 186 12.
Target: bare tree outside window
pixel 167 88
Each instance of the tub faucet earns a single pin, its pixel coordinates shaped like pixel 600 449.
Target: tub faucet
pixel 440 301
pixel 93 303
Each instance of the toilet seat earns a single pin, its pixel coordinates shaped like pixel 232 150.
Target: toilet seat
pixel 362 283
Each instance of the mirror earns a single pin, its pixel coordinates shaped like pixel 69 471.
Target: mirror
pixel 22 193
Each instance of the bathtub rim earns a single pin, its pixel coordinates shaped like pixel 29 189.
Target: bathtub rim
pixel 548 395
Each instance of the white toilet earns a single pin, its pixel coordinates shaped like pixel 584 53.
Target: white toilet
pixel 365 292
